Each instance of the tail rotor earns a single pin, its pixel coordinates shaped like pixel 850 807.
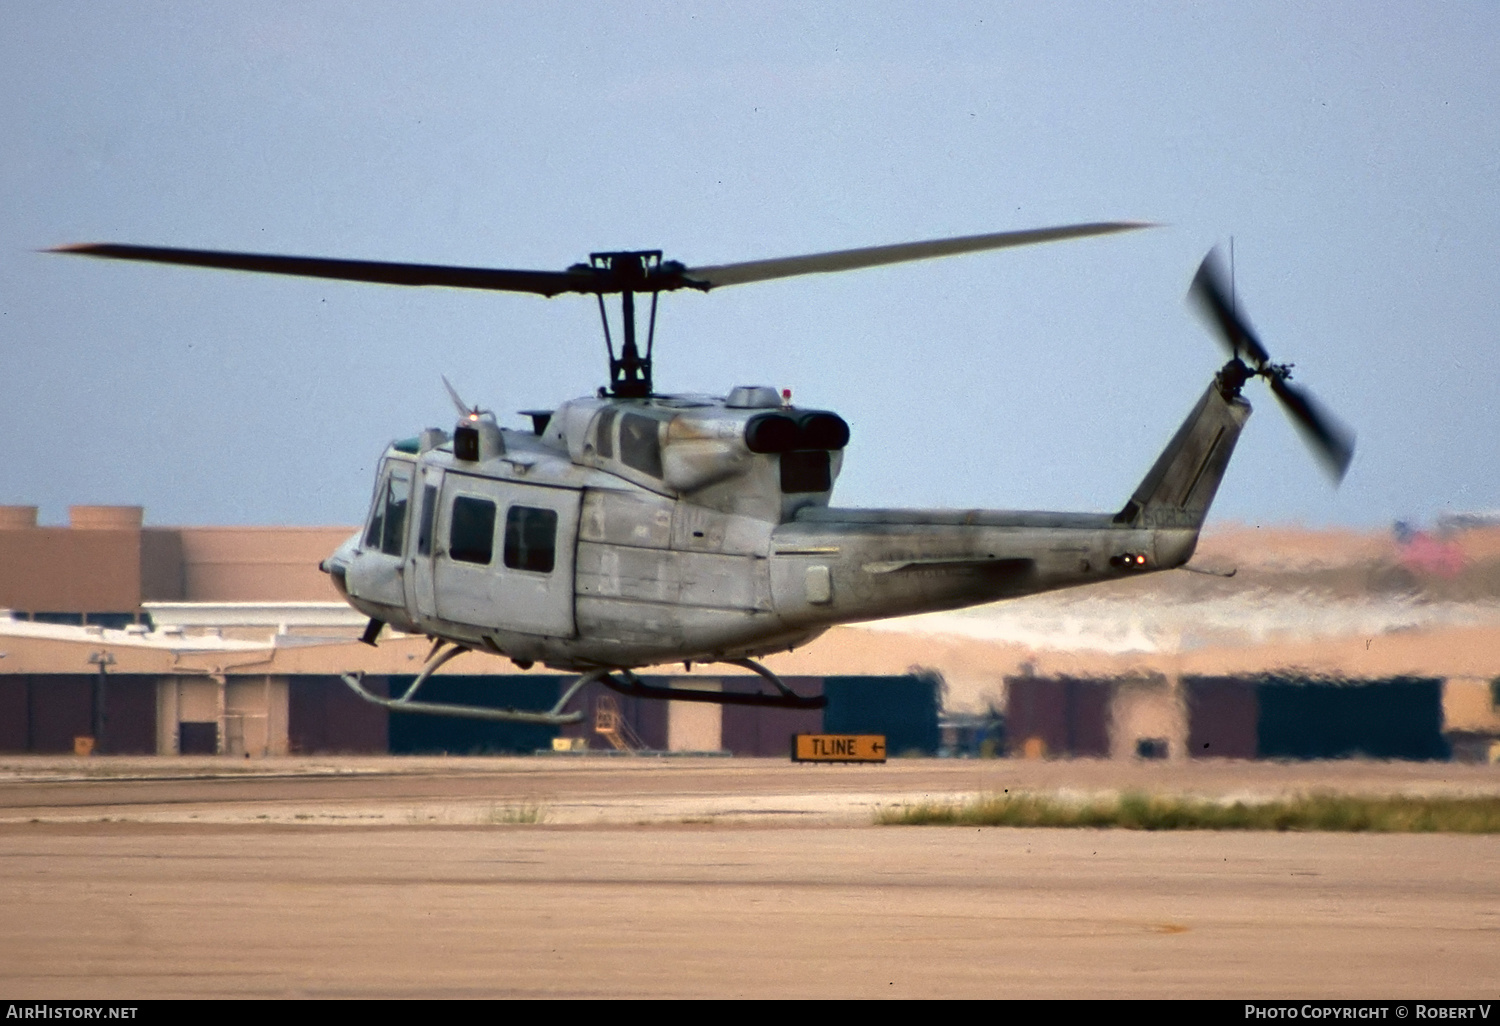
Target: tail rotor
pixel 1330 440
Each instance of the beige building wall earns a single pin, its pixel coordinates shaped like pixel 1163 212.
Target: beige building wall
pixel 249 564
pixel 106 561
pixel 1469 704
pixel 62 570
pixel 1150 708
pixel 696 726
pixel 251 713
pixel 168 715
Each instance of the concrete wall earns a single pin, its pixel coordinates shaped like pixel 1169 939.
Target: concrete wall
pixel 58 569
pixel 1469 705
pixel 696 726
pixel 236 716
pixel 248 564
pixel 106 561
pixel 1148 718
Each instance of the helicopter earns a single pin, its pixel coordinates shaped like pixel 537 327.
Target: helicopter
pixel 631 529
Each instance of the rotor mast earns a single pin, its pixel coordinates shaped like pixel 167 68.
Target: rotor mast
pixel 630 374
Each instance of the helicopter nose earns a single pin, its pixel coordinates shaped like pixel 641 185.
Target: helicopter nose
pixel 336 566
pixel 336 573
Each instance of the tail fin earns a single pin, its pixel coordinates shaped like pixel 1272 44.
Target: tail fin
pixel 1181 485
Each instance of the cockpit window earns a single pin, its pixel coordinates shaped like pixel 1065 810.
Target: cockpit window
pixel 640 445
pixel 377 521
pixel 397 497
pixel 387 528
pixel 604 435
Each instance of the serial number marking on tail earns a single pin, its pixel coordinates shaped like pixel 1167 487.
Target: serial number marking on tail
pixel 838 748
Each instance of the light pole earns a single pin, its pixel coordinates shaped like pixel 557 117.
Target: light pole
pixel 101 660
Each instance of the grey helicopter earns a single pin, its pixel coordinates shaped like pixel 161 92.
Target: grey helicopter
pixel 631 529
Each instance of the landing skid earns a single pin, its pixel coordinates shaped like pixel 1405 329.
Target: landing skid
pixel 633 686
pixel 554 717
pixel 787 699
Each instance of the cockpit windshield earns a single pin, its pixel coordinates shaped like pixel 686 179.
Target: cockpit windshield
pixel 387 530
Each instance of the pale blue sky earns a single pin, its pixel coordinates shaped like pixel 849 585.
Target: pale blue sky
pixel 1353 151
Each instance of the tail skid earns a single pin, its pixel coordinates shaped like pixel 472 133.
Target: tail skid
pixel 1181 485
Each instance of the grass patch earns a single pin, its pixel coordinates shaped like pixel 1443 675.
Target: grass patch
pixel 1134 811
pixel 512 815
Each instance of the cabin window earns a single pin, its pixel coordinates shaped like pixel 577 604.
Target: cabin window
pixel 531 539
pixel 424 526
pixel 805 470
pixel 387 530
pixel 471 532
pixel 640 446
pixel 604 434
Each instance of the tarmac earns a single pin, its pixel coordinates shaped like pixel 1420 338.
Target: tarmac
pixel 593 877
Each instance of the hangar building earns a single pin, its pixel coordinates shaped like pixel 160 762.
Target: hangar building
pixel 229 640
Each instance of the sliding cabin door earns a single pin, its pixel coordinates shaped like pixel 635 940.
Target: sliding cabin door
pixel 503 555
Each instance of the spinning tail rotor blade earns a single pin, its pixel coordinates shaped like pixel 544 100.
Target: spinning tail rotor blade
pixel 1217 306
pixel 1331 441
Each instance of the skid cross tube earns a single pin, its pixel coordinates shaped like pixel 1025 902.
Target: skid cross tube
pixel 554 717
pixel 634 687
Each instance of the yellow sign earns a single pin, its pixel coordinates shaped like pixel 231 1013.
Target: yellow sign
pixel 838 748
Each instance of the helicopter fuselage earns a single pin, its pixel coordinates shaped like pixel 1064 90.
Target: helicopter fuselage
pixel 635 532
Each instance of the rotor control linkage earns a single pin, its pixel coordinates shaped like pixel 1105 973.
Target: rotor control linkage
pixel 634 687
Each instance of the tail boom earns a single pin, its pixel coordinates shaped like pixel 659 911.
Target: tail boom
pixel 1178 490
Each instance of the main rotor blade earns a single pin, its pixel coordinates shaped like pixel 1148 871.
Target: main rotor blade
pixel 1331 441
pixel 875 256
pixel 583 277
pixel 545 283
pixel 1217 304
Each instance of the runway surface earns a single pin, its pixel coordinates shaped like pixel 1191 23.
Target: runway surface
pixel 712 877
